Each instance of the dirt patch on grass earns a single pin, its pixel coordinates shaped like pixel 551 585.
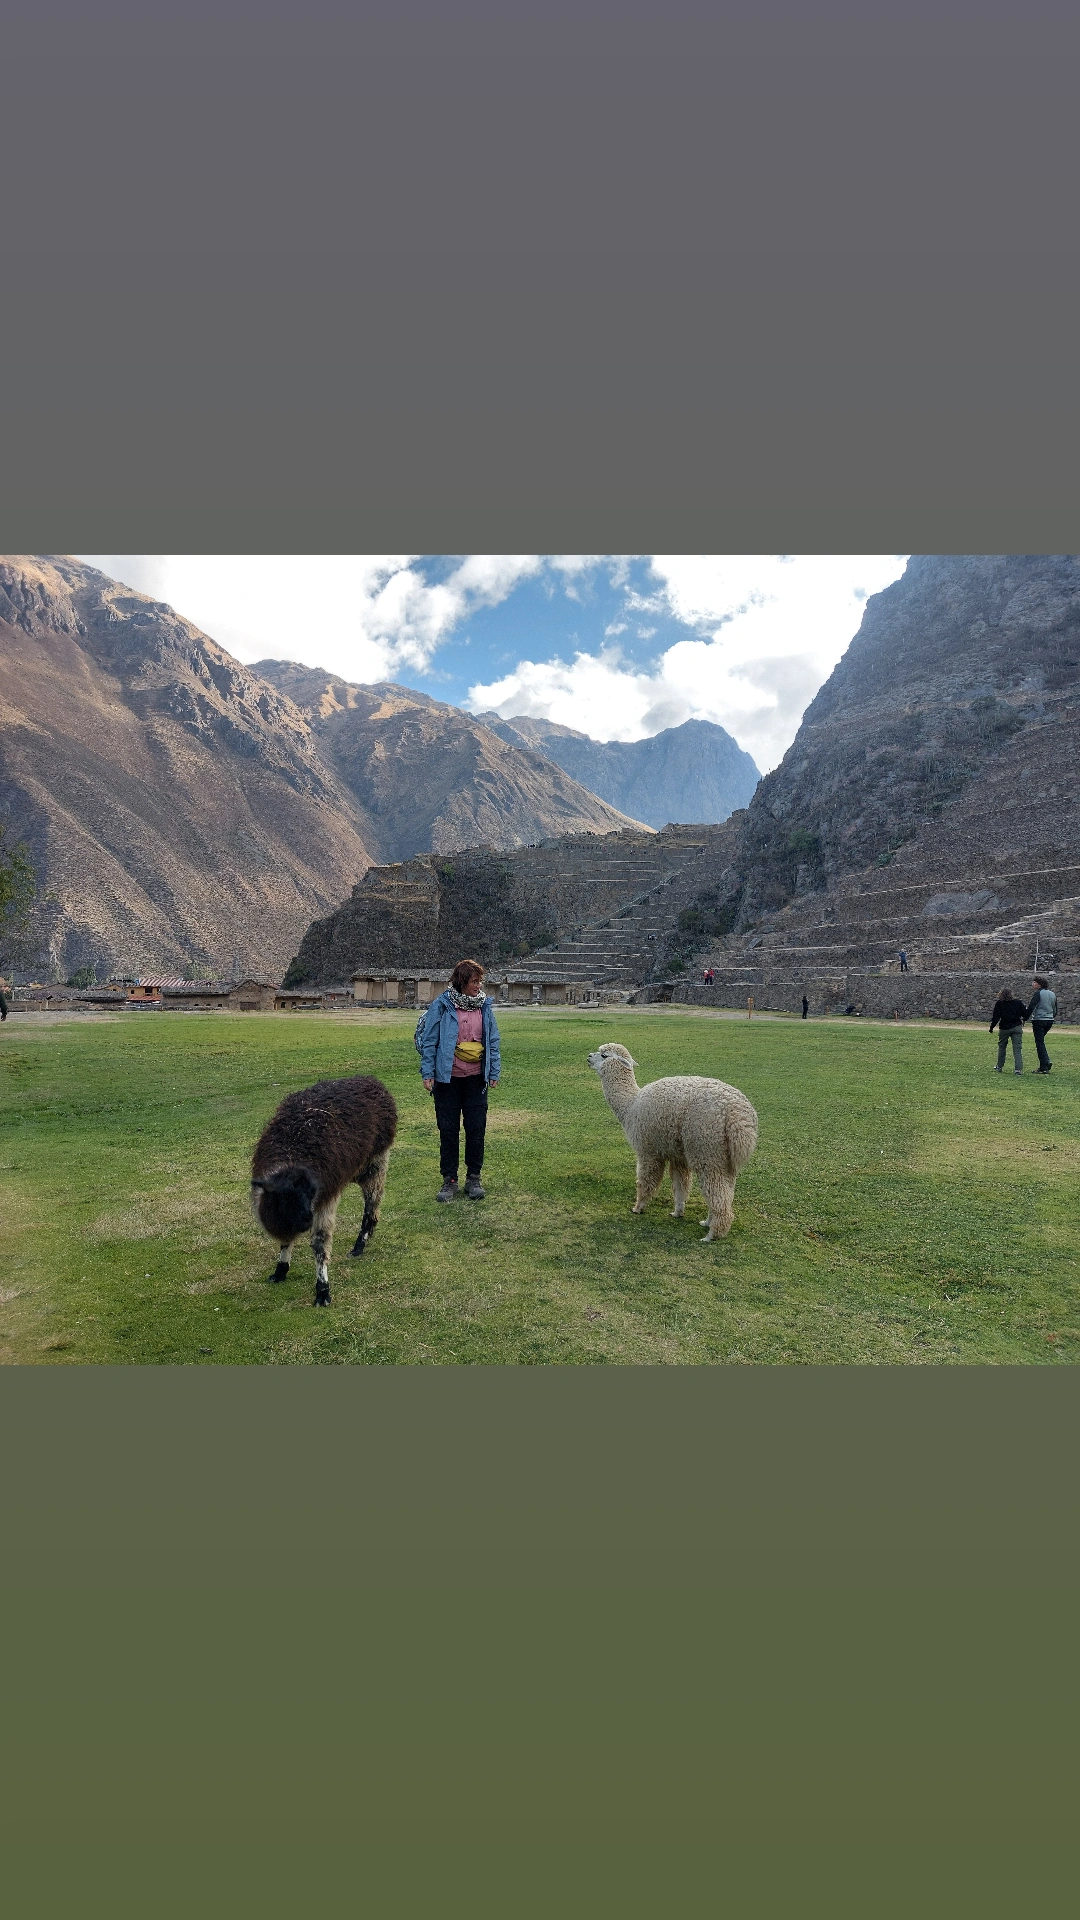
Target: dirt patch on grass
pixel 989 1156
pixel 512 1119
pixel 205 1218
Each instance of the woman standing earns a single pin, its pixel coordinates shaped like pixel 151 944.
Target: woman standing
pixel 459 1061
pixel 1008 1016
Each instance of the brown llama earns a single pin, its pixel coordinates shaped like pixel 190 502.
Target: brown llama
pixel 316 1144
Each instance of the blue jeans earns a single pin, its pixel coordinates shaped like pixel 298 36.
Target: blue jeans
pixel 1016 1035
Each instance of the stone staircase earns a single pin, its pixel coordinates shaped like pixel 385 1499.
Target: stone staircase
pixel 617 948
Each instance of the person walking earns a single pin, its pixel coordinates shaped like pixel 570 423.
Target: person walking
pixel 1008 1017
pixel 903 961
pixel 805 1006
pixel 1042 1012
pixel 3 1002
pixel 459 1061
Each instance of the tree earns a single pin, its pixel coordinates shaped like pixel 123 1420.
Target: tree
pixel 17 888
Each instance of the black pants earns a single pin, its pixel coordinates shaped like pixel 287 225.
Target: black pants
pixel 456 1101
pixel 1040 1029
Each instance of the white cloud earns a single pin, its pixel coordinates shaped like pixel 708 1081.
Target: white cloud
pixel 763 631
pixel 360 615
pixel 770 630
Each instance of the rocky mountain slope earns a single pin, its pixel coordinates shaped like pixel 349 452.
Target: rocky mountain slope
pixel 425 776
pixel 931 799
pixel 175 806
pixel 692 772
pixel 181 808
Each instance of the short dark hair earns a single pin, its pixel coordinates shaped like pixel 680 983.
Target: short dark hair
pixel 465 971
pixel 1041 980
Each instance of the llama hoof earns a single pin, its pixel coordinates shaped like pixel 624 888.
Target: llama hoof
pixel 281 1271
pixel 322 1293
pixel 361 1243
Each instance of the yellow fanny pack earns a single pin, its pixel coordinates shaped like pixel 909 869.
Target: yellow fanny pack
pixel 471 1051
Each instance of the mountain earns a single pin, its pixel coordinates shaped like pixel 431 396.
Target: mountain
pixel 175 806
pixel 693 772
pixel 182 808
pixel 425 777
pixel 930 802
pixel 946 741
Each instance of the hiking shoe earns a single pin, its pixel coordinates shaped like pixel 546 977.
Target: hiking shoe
pixel 448 1190
pixel 473 1189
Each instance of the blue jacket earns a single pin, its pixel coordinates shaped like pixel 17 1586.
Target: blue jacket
pixel 439 1039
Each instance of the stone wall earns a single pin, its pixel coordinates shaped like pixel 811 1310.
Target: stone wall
pixel 933 996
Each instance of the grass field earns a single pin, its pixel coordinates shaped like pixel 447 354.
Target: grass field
pixel 905 1203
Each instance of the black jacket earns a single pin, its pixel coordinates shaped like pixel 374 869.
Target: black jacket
pixel 1011 1013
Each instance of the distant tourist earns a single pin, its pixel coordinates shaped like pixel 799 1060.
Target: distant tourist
pixel 1008 1017
pixel 903 961
pixel 805 1006
pixel 459 1061
pixel 3 1002
pixel 1042 1012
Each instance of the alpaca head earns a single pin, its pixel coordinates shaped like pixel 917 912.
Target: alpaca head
pixel 611 1054
pixel 285 1203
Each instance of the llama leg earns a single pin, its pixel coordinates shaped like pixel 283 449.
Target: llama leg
pixel 372 1183
pixel 680 1187
pixel 650 1172
pixel 720 1199
pixel 281 1271
pixel 322 1240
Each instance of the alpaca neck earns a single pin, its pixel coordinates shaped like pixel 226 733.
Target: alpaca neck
pixel 620 1089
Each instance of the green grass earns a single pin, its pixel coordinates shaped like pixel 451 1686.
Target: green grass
pixel 905 1203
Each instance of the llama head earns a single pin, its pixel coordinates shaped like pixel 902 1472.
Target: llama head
pixel 285 1203
pixel 611 1051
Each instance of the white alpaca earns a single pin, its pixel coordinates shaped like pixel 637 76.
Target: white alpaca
pixel 695 1125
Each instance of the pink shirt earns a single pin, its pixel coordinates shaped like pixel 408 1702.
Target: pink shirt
pixel 470 1026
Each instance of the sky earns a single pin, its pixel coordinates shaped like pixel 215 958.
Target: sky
pixel 616 646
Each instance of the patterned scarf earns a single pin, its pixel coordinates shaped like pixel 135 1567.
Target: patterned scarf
pixel 466 1002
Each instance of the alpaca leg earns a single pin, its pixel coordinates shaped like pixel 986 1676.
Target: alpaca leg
pixel 720 1200
pixel 372 1183
pixel 281 1271
pixel 680 1187
pixel 322 1240
pixel 650 1172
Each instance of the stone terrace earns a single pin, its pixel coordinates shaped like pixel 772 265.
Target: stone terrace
pixel 617 947
pixel 963 941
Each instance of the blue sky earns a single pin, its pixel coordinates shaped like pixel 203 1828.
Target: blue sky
pixel 616 646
